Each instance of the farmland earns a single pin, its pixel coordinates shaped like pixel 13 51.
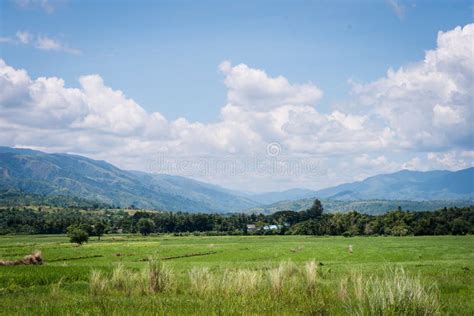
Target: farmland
pixel 443 265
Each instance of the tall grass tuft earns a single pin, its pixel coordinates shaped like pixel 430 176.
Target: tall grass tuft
pixel 155 278
pixel 160 278
pixel 98 283
pixel 240 282
pixel 202 281
pixel 123 280
pixel 395 293
pixel 310 275
pixel 281 275
pixel 56 289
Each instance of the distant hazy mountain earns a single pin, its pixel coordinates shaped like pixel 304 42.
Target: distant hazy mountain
pixel 272 197
pixel 34 172
pixel 407 185
pixel 86 180
pixel 364 206
pixel 412 190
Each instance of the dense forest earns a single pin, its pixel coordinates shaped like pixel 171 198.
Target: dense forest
pixel 313 221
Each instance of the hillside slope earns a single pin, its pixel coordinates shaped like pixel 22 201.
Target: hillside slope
pixel 407 185
pixel 35 172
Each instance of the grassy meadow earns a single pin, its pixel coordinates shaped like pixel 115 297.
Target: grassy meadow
pixel 130 274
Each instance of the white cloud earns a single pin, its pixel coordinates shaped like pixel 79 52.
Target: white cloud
pixel 445 115
pixel 451 160
pixel 24 36
pixel 448 160
pixel 47 43
pixel 254 89
pixel 352 122
pixel 41 42
pixel 422 101
pixel 422 111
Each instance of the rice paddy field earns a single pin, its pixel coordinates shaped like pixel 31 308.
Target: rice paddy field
pixel 235 275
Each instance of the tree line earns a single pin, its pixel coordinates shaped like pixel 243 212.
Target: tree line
pixel 313 221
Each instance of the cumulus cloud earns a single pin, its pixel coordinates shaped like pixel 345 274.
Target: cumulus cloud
pixel 424 108
pixel 449 160
pixel 422 101
pixel 254 89
pixel 445 115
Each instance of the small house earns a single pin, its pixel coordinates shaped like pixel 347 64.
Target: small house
pixel 251 227
pixel 272 227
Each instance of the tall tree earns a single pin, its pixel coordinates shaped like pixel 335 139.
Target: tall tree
pixel 99 229
pixel 316 210
pixel 145 226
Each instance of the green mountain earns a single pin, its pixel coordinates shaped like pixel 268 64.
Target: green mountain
pixel 287 195
pixel 411 190
pixel 373 207
pixel 38 173
pixel 32 176
pixel 407 185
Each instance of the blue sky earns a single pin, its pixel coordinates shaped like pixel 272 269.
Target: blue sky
pixel 164 54
pixel 348 89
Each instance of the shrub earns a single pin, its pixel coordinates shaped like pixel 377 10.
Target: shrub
pixel 347 234
pixel 78 236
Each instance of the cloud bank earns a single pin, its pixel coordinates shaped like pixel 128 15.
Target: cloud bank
pixel 418 117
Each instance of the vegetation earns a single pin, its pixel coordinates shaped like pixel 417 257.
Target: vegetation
pixel 131 274
pixel 395 292
pixel 77 235
pixel 447 221
pixel 145 226
pixel 14 198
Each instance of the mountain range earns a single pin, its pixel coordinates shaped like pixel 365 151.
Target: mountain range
pixel 39 173
pixel 407 185
pixel 26 171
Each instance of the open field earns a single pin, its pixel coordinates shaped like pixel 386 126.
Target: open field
pixel 443 264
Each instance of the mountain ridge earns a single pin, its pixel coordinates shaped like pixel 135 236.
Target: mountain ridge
pixel 57 174
pixel 407 185
pixel 39 173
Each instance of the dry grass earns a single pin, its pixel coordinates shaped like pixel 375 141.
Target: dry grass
pixel 98 283
pixel 241 282
pixel 160 277
pixel 202 281
pixel 310 275
pixel 35 258
pixel 282 276
pixel 155 278
pixel 395 293
pixel 124 280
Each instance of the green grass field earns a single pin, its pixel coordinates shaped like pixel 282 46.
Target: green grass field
pixel 62 284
